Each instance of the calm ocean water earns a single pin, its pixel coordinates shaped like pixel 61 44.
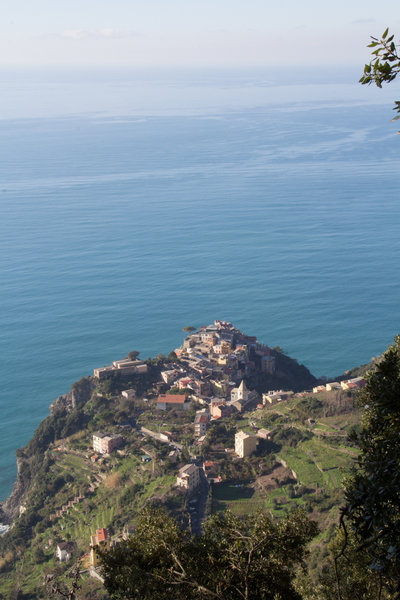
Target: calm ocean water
pixel 132 206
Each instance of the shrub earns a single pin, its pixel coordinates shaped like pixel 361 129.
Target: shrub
pixel 113 481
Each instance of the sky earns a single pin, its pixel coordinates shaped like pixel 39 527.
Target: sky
pixel 191 33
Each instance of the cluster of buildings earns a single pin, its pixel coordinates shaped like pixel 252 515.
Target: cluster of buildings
pixel 347 384
pixel 217 355
pixel 189 476
pixel 213 363
pixel 99 540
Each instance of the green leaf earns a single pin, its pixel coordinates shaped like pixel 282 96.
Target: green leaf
pixel 385 33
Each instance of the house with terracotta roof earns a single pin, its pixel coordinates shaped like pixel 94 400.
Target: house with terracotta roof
pixel 173 401
pixel 221 410
pixel 211 471
pixel 349 384
pixel 99 539
pixel 184 382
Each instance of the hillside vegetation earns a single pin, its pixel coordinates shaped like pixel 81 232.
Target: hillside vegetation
pixel 64 493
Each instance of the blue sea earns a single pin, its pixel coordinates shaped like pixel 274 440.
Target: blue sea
pixel 135 203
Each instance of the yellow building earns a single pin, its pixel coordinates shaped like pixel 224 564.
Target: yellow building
pixel 245 443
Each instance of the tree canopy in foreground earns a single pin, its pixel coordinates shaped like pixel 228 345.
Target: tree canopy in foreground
pixel 233 559
pixel 372 511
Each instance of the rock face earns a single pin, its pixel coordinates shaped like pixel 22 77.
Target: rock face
pixel 288 374
pixel 79 394
pixel 77 397
pixel 11 507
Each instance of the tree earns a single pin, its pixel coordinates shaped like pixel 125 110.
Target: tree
pixel 59 589
pixel 356 580
pixel 385 66
pixel 233 558
pixel 372 510
pixel 133 354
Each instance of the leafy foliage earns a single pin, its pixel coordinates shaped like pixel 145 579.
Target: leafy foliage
pixel 234 558
pixel 373 490
pixel 385 65
pixel 356 580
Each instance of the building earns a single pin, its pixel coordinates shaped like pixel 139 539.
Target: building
pixel 349 384
pixel 184 382
pixel 333 385
pixel 200 423
pixel 268 364
pixel 264 434
pixel 274 396
pixel 319 388
pixel 200 387
pixel 223 347
pixel 169 376
pixel 173 456
pixel 240 394
pixel 125 366
pixel 64 551
pixel 105 443
pixel 245 443
pixel 103 372
pixel 220 409
pixel 129 394
pixel 100 539
pixel 188 477
pixel 173 401
pixel 211 471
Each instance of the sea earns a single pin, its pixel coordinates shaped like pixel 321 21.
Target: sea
pixel 136 202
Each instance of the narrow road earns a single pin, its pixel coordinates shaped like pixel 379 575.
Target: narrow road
pixel 197 515
pixel 156 436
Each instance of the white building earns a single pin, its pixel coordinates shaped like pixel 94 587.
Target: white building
pixel 64 551
pixel 240 394
pixel 129 394
pixel 188 477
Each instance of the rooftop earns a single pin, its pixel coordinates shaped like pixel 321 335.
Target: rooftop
pixel 172 398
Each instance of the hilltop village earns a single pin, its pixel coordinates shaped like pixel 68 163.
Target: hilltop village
pixel 223 421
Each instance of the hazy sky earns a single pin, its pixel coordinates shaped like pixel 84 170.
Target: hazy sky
pixel 191 32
